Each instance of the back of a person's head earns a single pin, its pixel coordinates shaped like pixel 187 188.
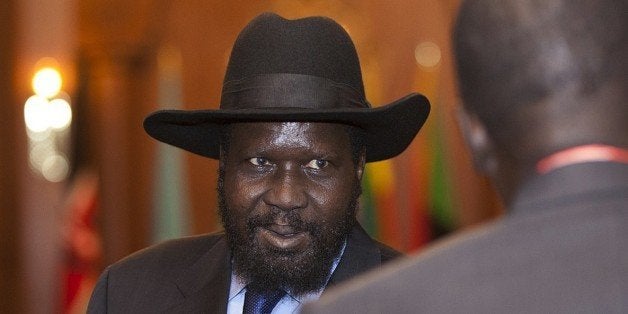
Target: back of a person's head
pixel 544 63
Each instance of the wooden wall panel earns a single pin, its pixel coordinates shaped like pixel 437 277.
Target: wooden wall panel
pixel 10 267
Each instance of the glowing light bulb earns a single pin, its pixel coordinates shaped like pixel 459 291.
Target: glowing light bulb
pixel 47 82
pixel 36 113
pixel 59 114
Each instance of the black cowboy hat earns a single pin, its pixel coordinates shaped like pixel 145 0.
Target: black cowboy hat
pixel 304 70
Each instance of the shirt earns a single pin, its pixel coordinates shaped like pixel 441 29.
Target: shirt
pixel 287 305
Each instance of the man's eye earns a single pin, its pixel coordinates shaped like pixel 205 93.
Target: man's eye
pixel 259 161
pixel 317 164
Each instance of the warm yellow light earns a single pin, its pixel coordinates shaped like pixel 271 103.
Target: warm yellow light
pixel 36 114
pixel 47 82
pixel 41 114
pixel 39 152
pixel 59 113
pixel 55 168
pixel 427 54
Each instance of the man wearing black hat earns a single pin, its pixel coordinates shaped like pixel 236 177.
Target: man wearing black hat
pixel 292 135
pixel 544 85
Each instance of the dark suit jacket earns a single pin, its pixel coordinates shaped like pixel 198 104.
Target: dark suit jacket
pixel 563 248
pixel 193 275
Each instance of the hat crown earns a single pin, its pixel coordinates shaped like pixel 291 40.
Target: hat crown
pixel 315 46
pixel 304 70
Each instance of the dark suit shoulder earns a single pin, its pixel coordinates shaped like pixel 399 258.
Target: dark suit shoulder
pixel 166 275
pixel 387 253
pixel 188 244
pixel 178 252
pixel 359 238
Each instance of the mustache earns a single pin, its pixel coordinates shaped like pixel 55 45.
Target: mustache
pixel 293 218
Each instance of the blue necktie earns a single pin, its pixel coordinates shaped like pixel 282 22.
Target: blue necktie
pixel 258 301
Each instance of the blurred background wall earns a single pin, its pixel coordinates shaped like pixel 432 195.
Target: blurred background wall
pixel 101 188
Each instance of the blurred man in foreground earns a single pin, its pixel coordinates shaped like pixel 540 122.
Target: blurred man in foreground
pixel 545 114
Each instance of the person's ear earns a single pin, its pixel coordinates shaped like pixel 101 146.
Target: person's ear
pixel 479 141
pixel 359 171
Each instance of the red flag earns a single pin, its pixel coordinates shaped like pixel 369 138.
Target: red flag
pixel 83 246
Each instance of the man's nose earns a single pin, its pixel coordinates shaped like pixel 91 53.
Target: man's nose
pixel 288 190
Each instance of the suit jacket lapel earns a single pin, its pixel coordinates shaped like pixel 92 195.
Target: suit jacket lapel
pixel 205 285
pixel 360 254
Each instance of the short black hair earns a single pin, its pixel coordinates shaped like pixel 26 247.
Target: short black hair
pixel 511 54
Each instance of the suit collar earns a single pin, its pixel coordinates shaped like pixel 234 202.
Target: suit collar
pixel 571 185
pixel 360 254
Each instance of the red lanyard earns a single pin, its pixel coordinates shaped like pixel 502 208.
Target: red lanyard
pixel 580 154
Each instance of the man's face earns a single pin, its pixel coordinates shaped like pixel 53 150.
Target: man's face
pixel 288 194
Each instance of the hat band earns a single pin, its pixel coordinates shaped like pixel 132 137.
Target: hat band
pixel 290 91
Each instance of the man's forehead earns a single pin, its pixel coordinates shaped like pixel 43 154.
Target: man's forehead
pixel 289 133
pixel 289 127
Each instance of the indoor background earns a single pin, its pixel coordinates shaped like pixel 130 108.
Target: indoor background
pixel 83 185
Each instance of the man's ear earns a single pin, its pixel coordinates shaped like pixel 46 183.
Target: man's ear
pixel 479 141
pixel 359 171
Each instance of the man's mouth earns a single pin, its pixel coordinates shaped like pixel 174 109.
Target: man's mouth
pixel 283 237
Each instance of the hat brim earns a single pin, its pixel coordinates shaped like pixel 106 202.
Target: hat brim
pixel 388 129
